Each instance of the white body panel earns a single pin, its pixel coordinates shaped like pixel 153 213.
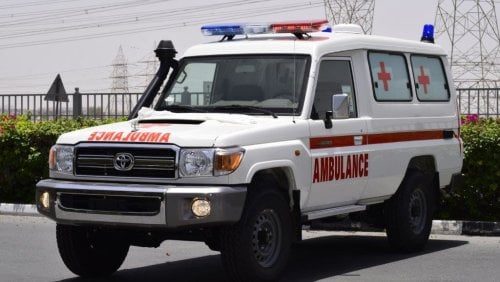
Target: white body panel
pixel 338 191
pixel 285 142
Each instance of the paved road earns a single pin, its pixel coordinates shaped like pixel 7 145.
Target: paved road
pixel 28 253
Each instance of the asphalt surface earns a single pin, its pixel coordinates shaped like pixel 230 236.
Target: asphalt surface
pixel 28 252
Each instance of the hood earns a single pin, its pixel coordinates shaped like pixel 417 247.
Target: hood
pixel 184 129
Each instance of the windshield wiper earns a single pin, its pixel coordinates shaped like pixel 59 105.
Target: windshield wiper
pixel 238 108
pixel 182 108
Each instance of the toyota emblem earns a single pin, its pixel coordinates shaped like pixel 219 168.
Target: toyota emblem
pixel 123 161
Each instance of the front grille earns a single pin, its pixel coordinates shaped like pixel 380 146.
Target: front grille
pixel 148 161
pixel 110 203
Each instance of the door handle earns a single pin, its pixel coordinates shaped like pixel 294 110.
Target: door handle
pixel 358 140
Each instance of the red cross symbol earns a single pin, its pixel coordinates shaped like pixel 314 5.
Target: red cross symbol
pixel 384 76
pixel 424 79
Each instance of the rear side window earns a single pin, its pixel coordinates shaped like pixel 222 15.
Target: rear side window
pixel 391 81
pixel 430 79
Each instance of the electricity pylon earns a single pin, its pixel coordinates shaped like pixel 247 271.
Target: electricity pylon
pixel 471 30
pixel 116 104
pixel 351 11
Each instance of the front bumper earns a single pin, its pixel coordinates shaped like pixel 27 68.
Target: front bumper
pixel 146 205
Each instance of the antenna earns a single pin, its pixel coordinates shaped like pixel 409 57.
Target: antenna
pixel 351 11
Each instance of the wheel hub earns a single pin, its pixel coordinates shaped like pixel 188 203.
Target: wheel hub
pixel 417 211
pixel 265 238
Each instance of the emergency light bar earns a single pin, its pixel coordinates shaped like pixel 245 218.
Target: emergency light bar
pixel 297 28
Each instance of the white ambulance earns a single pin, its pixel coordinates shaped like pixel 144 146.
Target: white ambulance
pixel 251 137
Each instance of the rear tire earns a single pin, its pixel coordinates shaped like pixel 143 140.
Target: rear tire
pixel 409 213
pixel 88 252
pixel 258 246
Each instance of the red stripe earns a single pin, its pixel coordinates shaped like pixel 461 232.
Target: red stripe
pixel 404 136
pixel 370 139
pixel 331 141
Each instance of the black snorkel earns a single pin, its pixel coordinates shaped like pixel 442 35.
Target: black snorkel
pixel 166 54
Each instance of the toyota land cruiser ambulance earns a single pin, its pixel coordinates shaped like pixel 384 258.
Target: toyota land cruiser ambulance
pixel 273 127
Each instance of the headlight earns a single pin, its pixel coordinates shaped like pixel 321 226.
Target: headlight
pixel 196 162
pixel 209 162
pixel 61 158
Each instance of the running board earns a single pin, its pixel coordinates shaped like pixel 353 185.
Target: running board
pixel 332 211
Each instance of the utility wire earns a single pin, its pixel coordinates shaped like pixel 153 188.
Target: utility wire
pixel 131 22
pixel 131 19
pixel 16 77
pixel 34 3
pixel 56 14
pixel 198 20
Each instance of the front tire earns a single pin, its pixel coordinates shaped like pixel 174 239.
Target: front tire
pixel 409 213
pixel 258 246
pixel 88 252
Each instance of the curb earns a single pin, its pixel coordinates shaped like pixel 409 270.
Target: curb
pixel 459 227
pixel 446 227
pixel 481 228
pixel 18 209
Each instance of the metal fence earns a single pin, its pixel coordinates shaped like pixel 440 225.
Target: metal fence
pixel 483 102
pixel 90 105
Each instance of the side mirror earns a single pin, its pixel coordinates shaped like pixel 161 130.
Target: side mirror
pixel 340 106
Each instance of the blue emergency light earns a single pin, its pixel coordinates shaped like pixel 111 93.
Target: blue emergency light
pixel 235 29
pixel 428 34
pixel 223 29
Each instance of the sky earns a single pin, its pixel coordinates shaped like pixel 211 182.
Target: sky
pixel 79 39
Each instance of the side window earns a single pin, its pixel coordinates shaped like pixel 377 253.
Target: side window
pixel 391 81
pixel 335 77
pixel 429 77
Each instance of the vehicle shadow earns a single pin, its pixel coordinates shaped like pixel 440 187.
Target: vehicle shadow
pixel 340 255
pixel 311 260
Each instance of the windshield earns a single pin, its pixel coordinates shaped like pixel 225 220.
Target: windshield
pixel 260 85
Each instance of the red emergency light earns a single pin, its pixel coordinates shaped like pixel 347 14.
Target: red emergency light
pixel 298 27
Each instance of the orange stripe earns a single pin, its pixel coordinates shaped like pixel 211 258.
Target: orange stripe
pixel 370 139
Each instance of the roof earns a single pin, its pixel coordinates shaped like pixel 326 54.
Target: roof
pixel 319 44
